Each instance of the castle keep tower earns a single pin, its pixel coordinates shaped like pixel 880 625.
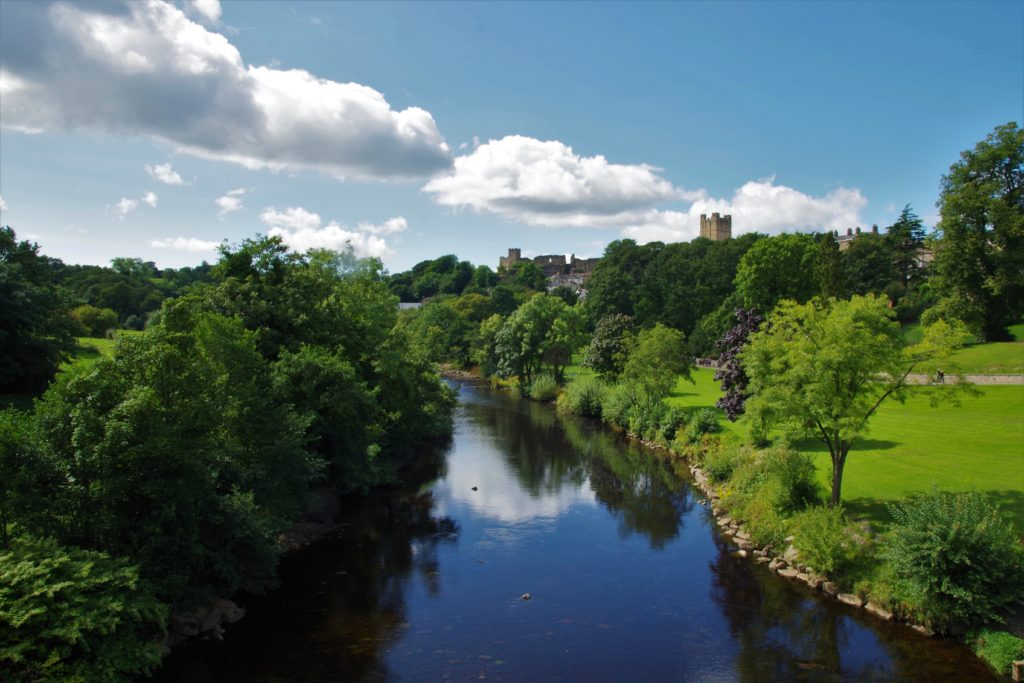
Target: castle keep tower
pixel 717 228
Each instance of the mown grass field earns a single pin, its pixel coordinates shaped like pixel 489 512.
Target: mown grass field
pixel 999 358
pixel 912 447
pixel 89 351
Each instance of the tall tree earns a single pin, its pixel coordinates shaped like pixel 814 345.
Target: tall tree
pixel 658 359
pixel 730 369
pixel 906 239
pixel 777 268
pixel 822 369
pixel 980 258
pixel 35 329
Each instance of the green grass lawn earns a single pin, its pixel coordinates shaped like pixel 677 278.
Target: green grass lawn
pixel 88 351
pixel 999 358
pixel 912 447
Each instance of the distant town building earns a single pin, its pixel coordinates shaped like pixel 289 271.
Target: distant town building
pixel 717 228
pixel 851 234
pixel 571 272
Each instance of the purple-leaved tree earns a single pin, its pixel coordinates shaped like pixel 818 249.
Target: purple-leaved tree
pixel 730 371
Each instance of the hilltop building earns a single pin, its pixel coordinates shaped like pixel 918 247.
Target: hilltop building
pixel 717 228
pixel 851 234
pixel 572 272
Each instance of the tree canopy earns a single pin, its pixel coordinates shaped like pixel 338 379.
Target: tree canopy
pixel 822 369
pixel 980 256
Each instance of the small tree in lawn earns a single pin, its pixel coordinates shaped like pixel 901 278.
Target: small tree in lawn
pixel 730 370
pixel 657 361
pixel 822 369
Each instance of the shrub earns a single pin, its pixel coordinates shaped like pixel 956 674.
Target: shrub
pixel 784 477
pixel 821 535
pixel 619 399
pixel 584 396
pixel 644 417
pixel 544 388
pixel 998 648
pixel 94 321
pixel 956 561
pixel 721 462
pixel 76 615
pixel 704 422
pixel 760 519
pixel 671 421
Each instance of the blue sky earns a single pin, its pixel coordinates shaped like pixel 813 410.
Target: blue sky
pixel 413 130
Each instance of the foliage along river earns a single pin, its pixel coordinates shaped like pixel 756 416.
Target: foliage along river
pixel 628 581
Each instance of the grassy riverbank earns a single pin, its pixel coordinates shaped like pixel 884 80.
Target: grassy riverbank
pixel 913 447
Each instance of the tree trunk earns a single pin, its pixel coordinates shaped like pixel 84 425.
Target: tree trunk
pixel 838 462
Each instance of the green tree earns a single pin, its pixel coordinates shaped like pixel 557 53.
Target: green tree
pixel 544 330
pixel 822 369
pixel 74 615
pixel 777 268
pixel 615 284
pixel 175 452
pixel 906 239
pixel 868 266
pixel 96 322
pixel 609 347
pixel 658 359
pixel 979 262
pixel 35 330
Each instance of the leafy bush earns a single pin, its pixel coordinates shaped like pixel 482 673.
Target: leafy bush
pixel 671 422
pixel 75 615
pixel 956 560
pixel 618 401
pixel 721 462
pixel 584 396
pixel 94 322
pixel 704 422
pixel 998 648
pixel 644 417
pixel 820 534
pixel 783 476
pixel 765 526
pixel 544 388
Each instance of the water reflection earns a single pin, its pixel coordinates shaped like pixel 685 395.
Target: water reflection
pixel 628 581
pixel 562 461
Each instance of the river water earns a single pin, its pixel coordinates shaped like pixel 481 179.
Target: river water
pixel 628 580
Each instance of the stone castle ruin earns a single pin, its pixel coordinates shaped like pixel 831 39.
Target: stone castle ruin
pixel 559 270
pixel 717 228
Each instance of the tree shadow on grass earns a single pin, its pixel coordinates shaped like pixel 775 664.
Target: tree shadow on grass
pixel 1010 504
pixel 859 446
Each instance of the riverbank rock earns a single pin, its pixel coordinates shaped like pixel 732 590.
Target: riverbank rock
pixel 814 582
pixel 207 621
pixel 850 599
pixel 741 534
pixel 789 573
pixel 923 630
pixel 878 611
pixel 761 559
pixel 776 564
pixel 791 555
pixel 830 588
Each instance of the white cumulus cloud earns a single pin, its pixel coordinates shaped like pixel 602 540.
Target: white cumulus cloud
pixel 210 9
pixel 301 230
pixel 146 68
pixel 230 201
pixel 165 174
pixel 757 206
pixel 185 244
pixel 150 198
pixel 125 206
pixel 546 183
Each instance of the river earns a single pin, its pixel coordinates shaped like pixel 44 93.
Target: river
pixel 626 576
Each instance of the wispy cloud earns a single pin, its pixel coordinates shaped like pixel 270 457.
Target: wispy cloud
pixel 190 244
pixel 230 201
pixel 302 230
pixel 165 174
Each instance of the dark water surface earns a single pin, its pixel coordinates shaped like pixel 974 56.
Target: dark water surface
pixel 629 581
